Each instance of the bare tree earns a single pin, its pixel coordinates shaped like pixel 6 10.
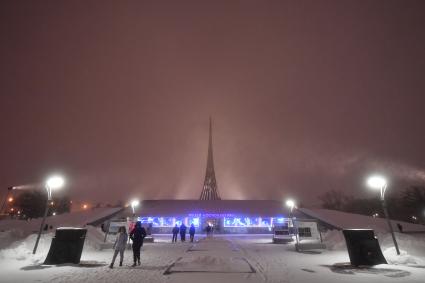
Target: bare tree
pixel 334 199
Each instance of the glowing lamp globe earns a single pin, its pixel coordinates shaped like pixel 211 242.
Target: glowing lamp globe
pixel 290 203
pixel 55 182
pixel 376 182
pixel 134 203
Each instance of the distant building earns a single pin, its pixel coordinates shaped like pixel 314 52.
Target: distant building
pixel 210 190
pixel 226 216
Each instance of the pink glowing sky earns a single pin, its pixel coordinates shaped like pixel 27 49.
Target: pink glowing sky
pixel 305 96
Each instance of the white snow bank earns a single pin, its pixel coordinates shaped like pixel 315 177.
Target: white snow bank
pixel 343 220
pixel 413 244
pixel 403 259
pixel 12 230
pixel 334 240
pixel 8 237
pixel 94 238
pixel 22 250
pixel 412 247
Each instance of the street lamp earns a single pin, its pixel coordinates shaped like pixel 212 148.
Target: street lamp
pixel 134 203
pixel 6 198
pixel 291 204
pixel 379 183
pixel 53 183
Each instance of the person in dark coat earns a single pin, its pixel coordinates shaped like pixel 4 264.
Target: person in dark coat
pixel 137 235
pixel 175 232
pixel 192 232
pixel 183 232
pixel 208 229
pixel 149 230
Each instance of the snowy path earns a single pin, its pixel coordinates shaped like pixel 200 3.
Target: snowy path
pixel 206 260
pixel 222 259
pixel 213 260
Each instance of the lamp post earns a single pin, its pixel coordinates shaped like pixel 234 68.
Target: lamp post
pixel 291 204
pixel 54 182
pixel 379 183
pixel 134 203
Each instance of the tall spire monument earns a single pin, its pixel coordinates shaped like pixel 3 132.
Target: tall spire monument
pixel 210 191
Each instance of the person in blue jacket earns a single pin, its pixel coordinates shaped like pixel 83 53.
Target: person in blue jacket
pixel 183 232
pixel 192 232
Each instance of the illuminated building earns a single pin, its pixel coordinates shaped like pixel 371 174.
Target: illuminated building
pixel 226 216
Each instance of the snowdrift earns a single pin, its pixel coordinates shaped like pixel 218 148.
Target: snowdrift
pixel 13 230
pixel 343 220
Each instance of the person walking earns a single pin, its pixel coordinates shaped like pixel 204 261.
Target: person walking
pixel 137 235
pixel 208 229
pixel 192 232
pixel 119 245
pixel 175 232
pixel 183 232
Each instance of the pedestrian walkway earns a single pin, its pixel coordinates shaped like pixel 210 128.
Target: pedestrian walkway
pixel 212 260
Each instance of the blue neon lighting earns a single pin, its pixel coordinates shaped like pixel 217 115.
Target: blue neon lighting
pixel 247 222
pixel 228 221
pixel 195 221
pixel 158 221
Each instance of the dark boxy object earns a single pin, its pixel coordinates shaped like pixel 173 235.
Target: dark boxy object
pixel 67 246
pixel 363 247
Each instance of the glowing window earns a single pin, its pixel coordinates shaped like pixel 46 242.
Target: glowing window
pixel 195 221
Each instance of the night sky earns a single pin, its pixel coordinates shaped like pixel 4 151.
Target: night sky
pixel 305 96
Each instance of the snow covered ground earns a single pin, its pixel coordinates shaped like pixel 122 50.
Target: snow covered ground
pixel 230 258
pixel 344 220
pixel 224 258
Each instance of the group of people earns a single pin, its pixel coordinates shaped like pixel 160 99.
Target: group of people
pixel 137 235
pixel 182 230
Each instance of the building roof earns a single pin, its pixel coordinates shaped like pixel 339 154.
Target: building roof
pixel 169 208
pixel 343 220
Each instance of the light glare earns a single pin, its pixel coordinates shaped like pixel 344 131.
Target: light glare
pixel 290 203
pixel 376 182
pixel 55 182
pixel 134 203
